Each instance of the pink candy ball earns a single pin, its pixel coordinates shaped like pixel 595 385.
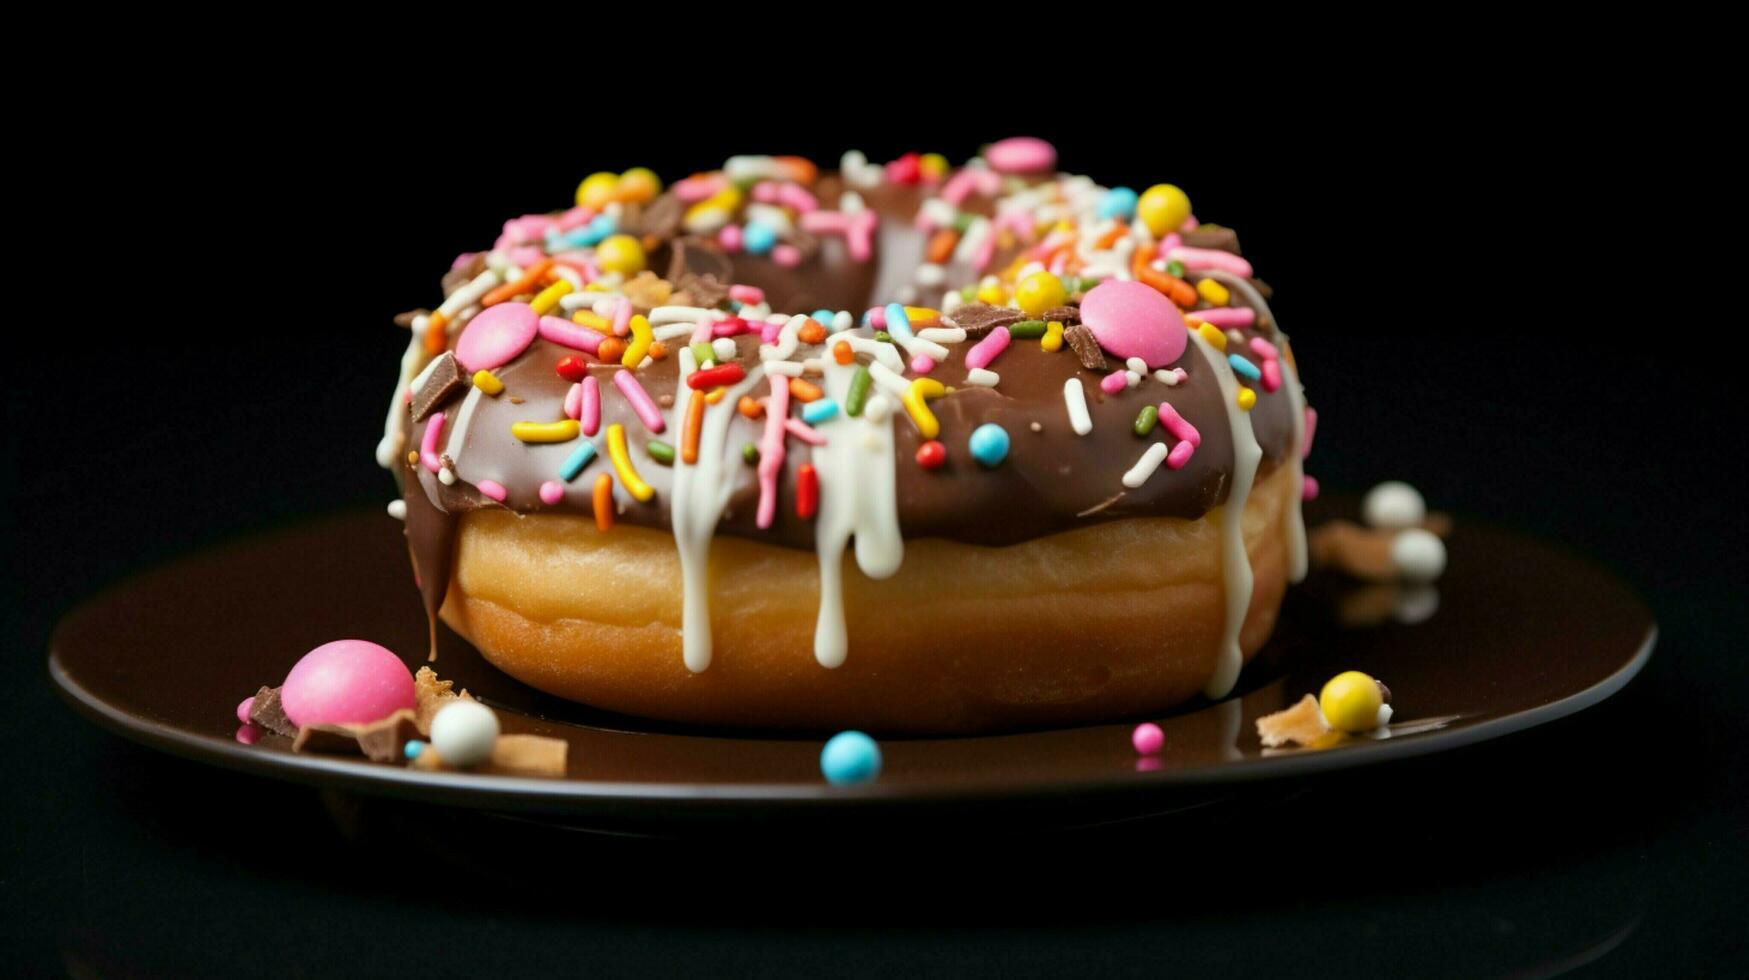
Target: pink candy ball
pixel 496 335
pixel 1131 319
pixel 551 492
pixel 1148 738
pixel 1021 155
pixel 244 707
pixel 347 682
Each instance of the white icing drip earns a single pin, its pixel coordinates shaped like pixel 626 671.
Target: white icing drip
pixel 700 492
pixel 390 443
pixel 1229 518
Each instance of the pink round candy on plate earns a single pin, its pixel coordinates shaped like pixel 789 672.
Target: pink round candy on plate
pixel 1148 738
pixel 244 707
pixel 496 335
pixel 347 682
pixel 1134 320
pixel 1021 155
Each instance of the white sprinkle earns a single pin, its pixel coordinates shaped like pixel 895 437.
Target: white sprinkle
pixel 1145 466
pixel 1236 337
pixel 943 335
pixel 1076 399
pixel 951 301
pixel 889 379
pixel 771 216
pixel 673 314
pixel 850 202
pixel 470 294
pixel 1131 379
pixel 673 331
pixel 446 476
pixel 398 509
pixel 723 348
pixel 788 369
pixel 1170 379
pixel 813 365
pixel 930 274
pixel 1137 365
pixel 842 321
pixel 982 378
pixel 906 294
pixel 878 409
pixel 1036 427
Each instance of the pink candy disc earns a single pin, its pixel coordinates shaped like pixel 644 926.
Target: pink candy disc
pixel 347 682
pixel 1021 155
pixel 496 335
pixel 1130 319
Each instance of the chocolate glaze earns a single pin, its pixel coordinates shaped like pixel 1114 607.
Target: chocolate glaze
pixel 1051 481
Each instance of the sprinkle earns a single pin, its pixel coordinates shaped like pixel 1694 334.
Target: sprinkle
pixel 1145 467
pixel 622 317
pixel 842 352
pixel 1309 487
pixel 428 446
pixel 1146 419
pixel 883 336
pixel 989 444
pixel 1228 316
pixel 589 406
pixel 916 400
pixel 1272 375
pixel 1213 335
pixel 1115 382
pixel 807 491
pixel 611 349
pixel 641 403
pixel 660 451
pixel 715 395
pixel 858 396
pixel 1210 258
pixel 689 433
pixel 771 451
pixel 603 501
pixel 1180 455
pixel 575 462
pixel 899 322
pixel 820 410
pixel 746 294
pixel 398 509
pixel 1247 399
pixel 801 430
pixel 880 408
pixel 1311 430
pixel 1171 378
pixel 810 332
pixel 551 492
pixel 931 455
pixel 702 352
pixel 804 391
pixel 1243 367
pixel 527 284
pixel 622 463
pixel 1214 292
pixel 1178 425
pixel 572 368
pixel 985 351
pixel 1052 341
pixel 713 377
pixel 749 454
pixel 561 431
pixel 1028 329
pixel 642 339
pixel 983 378
pixel 488 382
pixel 492 489
pixel 1136 365
pixel 749 407
pixel 546 299
pixel 1076 401
pixel 922 364
pixel 787 369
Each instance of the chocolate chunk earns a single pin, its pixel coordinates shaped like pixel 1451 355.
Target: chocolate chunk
pixel 379 741
pixel 661 219
pixel 1086 347
pixel 696 256
pixel 270 714
pixel 442 382
pixel 430 693
pixel 978 319
pixel 1213 236
pixel 1068 316
pixel 705 290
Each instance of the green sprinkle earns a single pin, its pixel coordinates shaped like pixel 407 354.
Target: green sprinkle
pixel 1175 268
pixel 1088 283
pixel 1027 330
pixel 702 352
pixel 968 294
pixel 883 336
pixel 660 451
pixel 859 385
pixel 1146 419
pixel 961 221
pixel 749 454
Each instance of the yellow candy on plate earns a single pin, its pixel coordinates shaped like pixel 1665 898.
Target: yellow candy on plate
pixel 1351 701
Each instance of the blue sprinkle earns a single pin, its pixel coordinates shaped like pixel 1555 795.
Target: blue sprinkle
pixel 758 238
pixel 850 757
pixel 575 462
pixel 1119 202
pixel 1244 367
pixel 824 318
pixel 819 410
pixel 413 748
pixel 898 324
pixel 989 444
pixel 735 306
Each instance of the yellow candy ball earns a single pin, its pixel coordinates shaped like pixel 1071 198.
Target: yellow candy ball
pixel 1163 209
pixel 933 165
pixel 622 254
pixel 638 185
pixel 1039 292
pixel 597 190
pixel 1351 702
pixel 992 295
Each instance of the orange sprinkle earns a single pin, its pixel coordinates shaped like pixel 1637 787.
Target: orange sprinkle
pixel 612 349
pixel 1176 289
pixel 1110 238
pixel 658 350
pixel 604 503
pixel 811 332
pixel 689 434
pixel 529 282
pixel 842 353
pixel 804 391
pixel 801 169
pixel 436 338
pixel 750 408
pixel 941 246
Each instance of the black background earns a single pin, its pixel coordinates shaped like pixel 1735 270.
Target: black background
pixel 1488 299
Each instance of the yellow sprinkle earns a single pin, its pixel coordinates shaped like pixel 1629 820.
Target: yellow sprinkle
pixel 1247 398
pixel 917 398
pixel 639 348
pixel 596 287
pixel 1216 339
pixel 488 382
pixel 546 299
pixel 592 320
pixel 622 463
pixel 562 431
pixel 922 316
pixel 1053 339
pixel 715 395
pixel 1214 292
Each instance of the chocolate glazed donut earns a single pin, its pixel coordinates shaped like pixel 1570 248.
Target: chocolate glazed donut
pixel 1160 582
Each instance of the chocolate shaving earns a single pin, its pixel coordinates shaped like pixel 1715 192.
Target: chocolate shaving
pixel 529 755
pixel 696 256
pixel 1086 347
pixel 1068 316
pixel 1213 236
pixel 444 382
pixel 706 290
pixel 647 292
pixel 270 714
pixel 429 694
pixel 379 741
pixel 1301 724
pixel 978 319
pixel 661 219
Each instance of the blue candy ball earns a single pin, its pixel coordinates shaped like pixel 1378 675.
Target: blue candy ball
pixel 989 444
pixel 850 757
pixel 1119 202
pixel 413 748
pixel 758 239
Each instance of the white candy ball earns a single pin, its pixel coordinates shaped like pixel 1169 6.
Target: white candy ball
pixel 1417 604
pixel 1419 555
pixel 1393 505
pixel 464 732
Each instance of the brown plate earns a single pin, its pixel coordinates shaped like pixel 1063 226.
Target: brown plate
pixel 1518 633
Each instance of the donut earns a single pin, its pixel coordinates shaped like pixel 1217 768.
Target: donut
pixel 905 448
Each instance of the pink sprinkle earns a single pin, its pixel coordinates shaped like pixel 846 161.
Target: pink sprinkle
pixel 1309 487
pixel 1148 738
pixel 576 217
pixel 1021 155
pixel 786 255
pixel 877 317
pixel 1261 347
pixel 732 327
pixel 527 255
pixel 1210 258
pixel 765 192
pixel 622 319
pixel 968 180
pixel 1178 425
pixel 1271 374
pixel 1190 223
pixel 746 294
pixel 803 431
pixel 770 331
pixel 1227 316
pixel 985 251
pixel 860 235
pixel 1311 429
pixel 1180 455
pixel 463 259
pixel 825 222
pixel 244 707
pixel 695 189
pixel 1171 241
pixel 589 405
pixel 493 489
pixel 797 198
pixel 1114 382
pixel 627 382
pixel 563 332
pixel 995 342
pixel 428 446
pixel 730 238
pixel 923 364
pixel 551 492
pixel 771 450
pixel 574 402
